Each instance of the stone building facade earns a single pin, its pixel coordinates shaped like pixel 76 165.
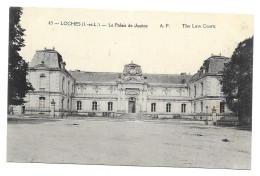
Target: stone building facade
pixel 131 91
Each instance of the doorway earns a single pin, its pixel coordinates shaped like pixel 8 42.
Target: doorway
pixel 131 105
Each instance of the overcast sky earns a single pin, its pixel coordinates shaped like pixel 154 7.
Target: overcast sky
pixel 158 50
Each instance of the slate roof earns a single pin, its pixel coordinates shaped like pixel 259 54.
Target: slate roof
pixel 168 78
pixel 49 57
pixel 106 77
pixel 112 77
pixel 213 65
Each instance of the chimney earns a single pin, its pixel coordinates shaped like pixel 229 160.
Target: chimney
pixel 63 64
pixel 203 69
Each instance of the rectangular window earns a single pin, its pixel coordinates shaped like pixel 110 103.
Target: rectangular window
pixel 153 107
pixel 183 108
pixel 68 87
pixel 110 106
pixel 78 105
pixel 195 90
pixel 201 106
pixel 42 82
pixel 62 84
pixel 202 87
pixel 94 106
pixel 62 103
pixel 194 107
pixel 42 103
pixel 168 107
pixel 222 107
pixel 68 104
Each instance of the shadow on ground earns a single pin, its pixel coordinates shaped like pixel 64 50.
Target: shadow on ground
pixel 15 120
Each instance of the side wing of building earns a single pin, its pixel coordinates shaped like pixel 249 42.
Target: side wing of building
pixel 51 81
pixel 205 88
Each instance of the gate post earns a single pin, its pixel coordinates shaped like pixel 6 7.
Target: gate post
pixel 52 114
pixel 214 116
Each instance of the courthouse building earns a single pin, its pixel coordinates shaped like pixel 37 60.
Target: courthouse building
pixel 131 91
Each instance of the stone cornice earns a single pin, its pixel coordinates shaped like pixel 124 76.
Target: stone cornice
pixel 175 98
pixel 99 96
pixel 51 69
pixel 206 97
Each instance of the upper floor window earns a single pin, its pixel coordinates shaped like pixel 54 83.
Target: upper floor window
pixel 168 107
pixel 68 86
pixel 202 88
pixel 94 106
pixel 201 106
pixel 183 108
pixel 195 91
pixel 78 105
pixel 62 84
pixel 153 107
pixel 110 106
pixel 42 82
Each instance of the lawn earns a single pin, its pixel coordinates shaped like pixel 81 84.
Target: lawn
pixel 171 143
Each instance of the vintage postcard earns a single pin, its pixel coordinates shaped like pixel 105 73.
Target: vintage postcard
pixel 135 88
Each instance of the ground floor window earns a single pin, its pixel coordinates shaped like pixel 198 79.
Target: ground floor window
pixel 153 107
pixel 94 106
pixel 222 107
pixel 42 103
pixel 183 108
pixel 168 107
pixel 110 106
pixel 78 105
pixel 62 103
pixel 68 104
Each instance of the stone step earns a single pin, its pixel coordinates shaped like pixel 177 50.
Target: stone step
pixel 133 116
pixel 129 116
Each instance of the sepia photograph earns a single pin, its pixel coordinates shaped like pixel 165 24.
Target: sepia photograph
pixel 130 88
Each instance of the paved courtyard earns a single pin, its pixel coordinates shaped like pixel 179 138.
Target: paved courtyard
pixel 151 143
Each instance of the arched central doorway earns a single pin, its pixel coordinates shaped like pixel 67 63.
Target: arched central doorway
pixel 131 105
